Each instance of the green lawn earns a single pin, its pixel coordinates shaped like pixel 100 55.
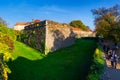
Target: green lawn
pixel 71 63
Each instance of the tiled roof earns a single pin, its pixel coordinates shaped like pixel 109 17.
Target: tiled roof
pixel 37 20
pixel 76 29
pixel 26 23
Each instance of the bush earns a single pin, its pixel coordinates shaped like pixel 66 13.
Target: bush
pixel 9 32
pixel 6 47
pixel 5 39
pixel 97 66
pixel 4 56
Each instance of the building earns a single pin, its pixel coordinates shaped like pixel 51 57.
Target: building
pixel 47 36
pixel 21 25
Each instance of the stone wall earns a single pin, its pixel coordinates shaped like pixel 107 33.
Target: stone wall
pixel 34 35
pixel 81 33
pixel 58 36
pixel 47 36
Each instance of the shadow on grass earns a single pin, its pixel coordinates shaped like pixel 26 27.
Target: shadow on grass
pixel 46 69
pixel 71 63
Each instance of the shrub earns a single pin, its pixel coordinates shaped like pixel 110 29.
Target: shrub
pixel 9 32
pixel 97 65
pixel 4 56
pixel 6 47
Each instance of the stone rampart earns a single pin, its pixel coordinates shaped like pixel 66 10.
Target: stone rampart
pixel 34 35
pixel 47 36
pixel 58 36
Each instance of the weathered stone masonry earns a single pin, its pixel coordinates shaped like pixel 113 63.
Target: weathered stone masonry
pixel 48 36
pixel 34 35
pixel 58 36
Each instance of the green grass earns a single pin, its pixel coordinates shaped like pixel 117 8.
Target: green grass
pixel 71 63
pixel 22 50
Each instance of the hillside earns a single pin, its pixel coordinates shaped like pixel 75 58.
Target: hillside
pixel 71 63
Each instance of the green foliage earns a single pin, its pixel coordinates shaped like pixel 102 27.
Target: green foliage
pixel 71 63
pixel 103 28
pixel 9 32
pixel 106 13
pixel 6 47
pixel 78 24
pixel 4 70
pixel 97 66
pixel 115 32
pixel 106 26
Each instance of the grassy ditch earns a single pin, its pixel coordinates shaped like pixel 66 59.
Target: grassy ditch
pixel 71 63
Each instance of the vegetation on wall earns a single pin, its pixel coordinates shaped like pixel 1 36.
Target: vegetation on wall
pixel 35 38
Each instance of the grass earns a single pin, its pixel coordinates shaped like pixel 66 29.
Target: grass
pixel 22 50
pixel 71 63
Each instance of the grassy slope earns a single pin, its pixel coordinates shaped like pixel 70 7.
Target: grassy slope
pixel 25 51
pixel 70 63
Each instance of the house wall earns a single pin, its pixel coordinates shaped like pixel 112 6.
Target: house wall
pixel 19 27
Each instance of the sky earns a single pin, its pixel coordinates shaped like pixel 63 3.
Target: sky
pixel 63 11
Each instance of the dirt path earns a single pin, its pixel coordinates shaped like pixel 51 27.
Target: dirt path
pixel 109 72
pixel 114 74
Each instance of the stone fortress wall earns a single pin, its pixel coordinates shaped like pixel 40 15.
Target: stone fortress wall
pixel 48 35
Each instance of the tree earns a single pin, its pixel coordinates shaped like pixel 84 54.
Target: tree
pixel 78 24
pixel 6 48
pixel 115 32
pixel 105 23
pixel 104 13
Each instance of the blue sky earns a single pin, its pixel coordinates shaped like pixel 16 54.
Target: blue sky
pixel 62 11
